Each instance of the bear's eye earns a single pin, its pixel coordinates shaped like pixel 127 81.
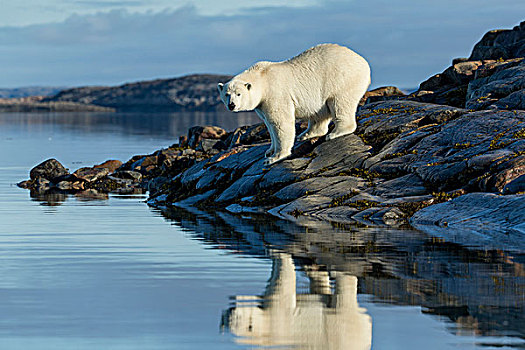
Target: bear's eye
pixel 238 94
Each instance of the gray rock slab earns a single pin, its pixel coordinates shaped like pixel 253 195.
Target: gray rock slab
pixel 308 186
pixel 284 172
pixel 210 178
pixel 244 186
pixel 191 201
pixel 349 185
pixel 408 185
pixel 477 219
pixel 242 160
pixel 349 147
pixel 401 116
pixel 194 173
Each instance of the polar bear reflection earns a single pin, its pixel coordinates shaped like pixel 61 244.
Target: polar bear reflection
pixel 319 320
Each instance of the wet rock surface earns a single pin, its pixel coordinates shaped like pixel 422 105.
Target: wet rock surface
pixel 409 162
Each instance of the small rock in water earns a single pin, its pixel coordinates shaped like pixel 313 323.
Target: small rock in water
pixel 111 165
pixel 91 174
pixel 49 169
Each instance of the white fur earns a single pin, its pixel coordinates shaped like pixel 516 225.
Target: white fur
pixel 322 84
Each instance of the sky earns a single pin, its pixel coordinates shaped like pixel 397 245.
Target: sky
pixel 110 42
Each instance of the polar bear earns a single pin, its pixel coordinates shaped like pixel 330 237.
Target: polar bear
pixel 322 84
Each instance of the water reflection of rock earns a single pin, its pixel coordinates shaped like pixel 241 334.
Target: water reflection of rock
pixel 57 197
pixel 319 319
pixel 478 291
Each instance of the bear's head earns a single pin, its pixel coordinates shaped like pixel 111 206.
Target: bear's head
pixel 239 96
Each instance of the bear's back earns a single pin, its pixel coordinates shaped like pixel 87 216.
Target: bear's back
pixel 326 53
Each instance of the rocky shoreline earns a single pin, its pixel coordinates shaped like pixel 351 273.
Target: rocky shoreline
pixel 448 159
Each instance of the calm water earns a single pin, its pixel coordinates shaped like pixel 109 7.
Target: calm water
pixel 115 274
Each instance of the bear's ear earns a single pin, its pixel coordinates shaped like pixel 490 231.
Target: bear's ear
pixel 220 86
pixel 248 86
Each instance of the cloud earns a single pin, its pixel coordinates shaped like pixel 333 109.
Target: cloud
pixel 110 3
pixel 404 42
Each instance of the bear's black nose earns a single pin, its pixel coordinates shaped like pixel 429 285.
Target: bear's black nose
pixel 231 106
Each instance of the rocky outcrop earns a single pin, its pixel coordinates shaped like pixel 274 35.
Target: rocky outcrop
pixel 406 156
pixel 500 44
pixel 492 77
pixel 192 92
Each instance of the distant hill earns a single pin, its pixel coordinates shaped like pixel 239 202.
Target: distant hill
pixel 196 92
pixel 29 91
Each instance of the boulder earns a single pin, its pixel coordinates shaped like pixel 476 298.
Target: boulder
pixel 197 133
pixel 49 169
pixel 503 89
pixel 500 44
pixel 91 174
pixel 381 94
pixel 111 165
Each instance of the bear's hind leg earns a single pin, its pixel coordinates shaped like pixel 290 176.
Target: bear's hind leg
pixel 316 128
pixel 343 114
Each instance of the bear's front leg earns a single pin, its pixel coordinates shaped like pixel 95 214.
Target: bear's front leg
pixel 270 150
pixel 282 132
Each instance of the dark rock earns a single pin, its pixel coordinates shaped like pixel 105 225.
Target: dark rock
pixel 347 151
pixel 244 186
pixel 49 170
pixel 515 186
pixel 91 174
pixel 379 123
pixel 500 44
pixel 254 134
pixel 308 186
pixel 183 141
pixel 408 185
pixel 192 200
pixel 503 89
pixel 197 134
pixel 504 173
pixel 284 172
pixel 381 94
pixel 134 176
pixel 155 184
pixel 111 165
pixel 207 145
